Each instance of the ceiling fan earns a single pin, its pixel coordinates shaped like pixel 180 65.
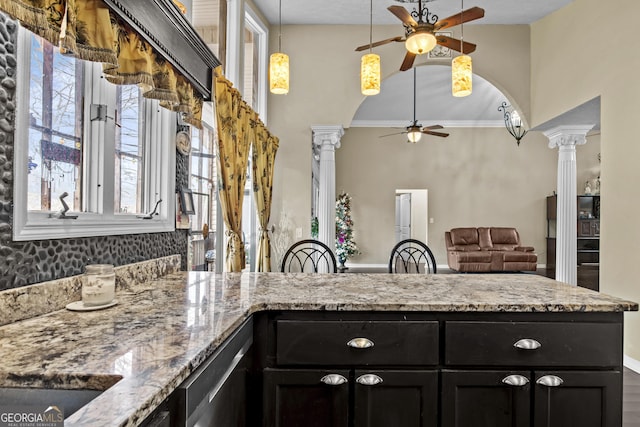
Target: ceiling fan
pixel 414 131
pixel 420 36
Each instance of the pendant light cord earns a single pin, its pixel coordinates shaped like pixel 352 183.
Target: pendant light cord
pixel 371 27
pixel 280 27
pixel 462 28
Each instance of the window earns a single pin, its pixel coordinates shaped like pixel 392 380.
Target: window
pixel 203 179
pixel 101 149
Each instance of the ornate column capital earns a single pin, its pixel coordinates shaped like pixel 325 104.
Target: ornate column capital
pixel 327 135
pixel 568 136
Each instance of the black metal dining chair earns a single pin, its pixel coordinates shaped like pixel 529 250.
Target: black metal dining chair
pixel 412 256
pixel 309 256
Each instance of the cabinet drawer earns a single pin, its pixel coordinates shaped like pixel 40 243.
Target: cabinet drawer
pixel 561 344
pixel 325 343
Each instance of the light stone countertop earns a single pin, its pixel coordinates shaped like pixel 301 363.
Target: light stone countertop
pixel 141 349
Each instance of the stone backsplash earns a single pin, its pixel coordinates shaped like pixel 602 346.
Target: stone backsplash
pixel 35 300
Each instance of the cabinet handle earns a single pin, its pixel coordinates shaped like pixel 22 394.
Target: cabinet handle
pixel 360 343
pixel 516 380
pixel 369 379
pixel 550 381
pixel 527 344
pixel 333 379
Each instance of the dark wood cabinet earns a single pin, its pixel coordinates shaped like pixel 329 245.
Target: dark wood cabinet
pixel 299 397
pixel 486 399
pixel 302 397
pixel 479 369
pixel 588 230
pixel 401 398
pixel 580 398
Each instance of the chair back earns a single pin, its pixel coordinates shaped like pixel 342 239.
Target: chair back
pixel 309 256
pixel 412 256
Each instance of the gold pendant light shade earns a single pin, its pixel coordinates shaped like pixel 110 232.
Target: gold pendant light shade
pixel 279 73
pixel 370 74
pixel 461 73
pixel 420 42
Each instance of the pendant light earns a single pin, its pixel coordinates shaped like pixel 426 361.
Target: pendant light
pixel 279 65
pixel 370 66
pixel 461 68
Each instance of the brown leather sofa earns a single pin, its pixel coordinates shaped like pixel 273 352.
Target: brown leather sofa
pixel 487 249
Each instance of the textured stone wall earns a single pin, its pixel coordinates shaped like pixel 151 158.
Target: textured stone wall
pixel 25 263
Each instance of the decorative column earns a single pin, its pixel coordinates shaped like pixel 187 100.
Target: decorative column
pixel 327 140
pixel 566 138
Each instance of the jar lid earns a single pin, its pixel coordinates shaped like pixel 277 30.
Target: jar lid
pixel 99 269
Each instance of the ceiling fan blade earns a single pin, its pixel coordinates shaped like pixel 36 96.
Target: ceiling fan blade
pixel 403 15
pixel 408 61
pixel 429 132
pixel 432 127
pixel 454 44
pixel 391 134
pixel 380 43
pixel 459 18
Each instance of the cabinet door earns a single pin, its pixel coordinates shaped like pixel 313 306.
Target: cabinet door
pixel 485 399
pixel 578 398
pixel 396 398
pixel 300 398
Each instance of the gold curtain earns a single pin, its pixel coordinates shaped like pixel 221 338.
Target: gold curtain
pixel 89 31
pixel 265 147
pixel 234 140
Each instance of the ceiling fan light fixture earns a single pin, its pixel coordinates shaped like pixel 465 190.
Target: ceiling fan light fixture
pixel 370 74
pixel 420 41
pixel 414 134
pixel 461 76
pixel 279 73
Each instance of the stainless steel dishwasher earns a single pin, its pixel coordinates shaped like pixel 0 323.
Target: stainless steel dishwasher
pixel 216 393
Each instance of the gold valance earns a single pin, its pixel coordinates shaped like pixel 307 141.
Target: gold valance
pixel 90 31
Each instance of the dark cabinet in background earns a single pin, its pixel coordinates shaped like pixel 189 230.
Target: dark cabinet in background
pixel 588 230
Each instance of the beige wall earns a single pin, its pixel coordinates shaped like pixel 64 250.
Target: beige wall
pixel 325 90
pixel 475 177
pixel 571 64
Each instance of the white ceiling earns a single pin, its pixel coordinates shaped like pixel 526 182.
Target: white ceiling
pixel 357 11
pixel 393 106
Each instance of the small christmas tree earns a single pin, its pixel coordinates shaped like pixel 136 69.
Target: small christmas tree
pixel 345 245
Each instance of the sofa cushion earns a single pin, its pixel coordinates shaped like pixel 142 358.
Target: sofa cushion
pixel 464 236
pixel 484 238
pixel 483 257
pixel 465 248
pixel 517 256
pixel 504 238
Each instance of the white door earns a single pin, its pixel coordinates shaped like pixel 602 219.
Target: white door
pixel 403 217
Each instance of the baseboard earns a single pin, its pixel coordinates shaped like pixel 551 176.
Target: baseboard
pixel 631 363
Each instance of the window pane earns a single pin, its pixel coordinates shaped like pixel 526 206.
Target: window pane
pixel 55 128
pixel 202 180
pixel 129 153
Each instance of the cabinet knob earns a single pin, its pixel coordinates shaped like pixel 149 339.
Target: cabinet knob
pixel 516 380
pixel 550 381
pixel 527 344
pixel 333 379
pixel 368 379
pixel 360 343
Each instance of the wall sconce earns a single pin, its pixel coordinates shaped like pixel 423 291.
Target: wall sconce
pixel 513 122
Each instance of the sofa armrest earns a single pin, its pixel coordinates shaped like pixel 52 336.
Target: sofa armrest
pixel 524 248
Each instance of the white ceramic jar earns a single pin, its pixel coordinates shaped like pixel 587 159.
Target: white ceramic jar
pixel 99 284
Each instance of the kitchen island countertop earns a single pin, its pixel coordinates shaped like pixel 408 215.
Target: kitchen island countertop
pixel 141 349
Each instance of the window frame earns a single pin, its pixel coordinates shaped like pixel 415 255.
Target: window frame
pixel 99 143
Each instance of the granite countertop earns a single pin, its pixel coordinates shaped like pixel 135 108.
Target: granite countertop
pixel 140 350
